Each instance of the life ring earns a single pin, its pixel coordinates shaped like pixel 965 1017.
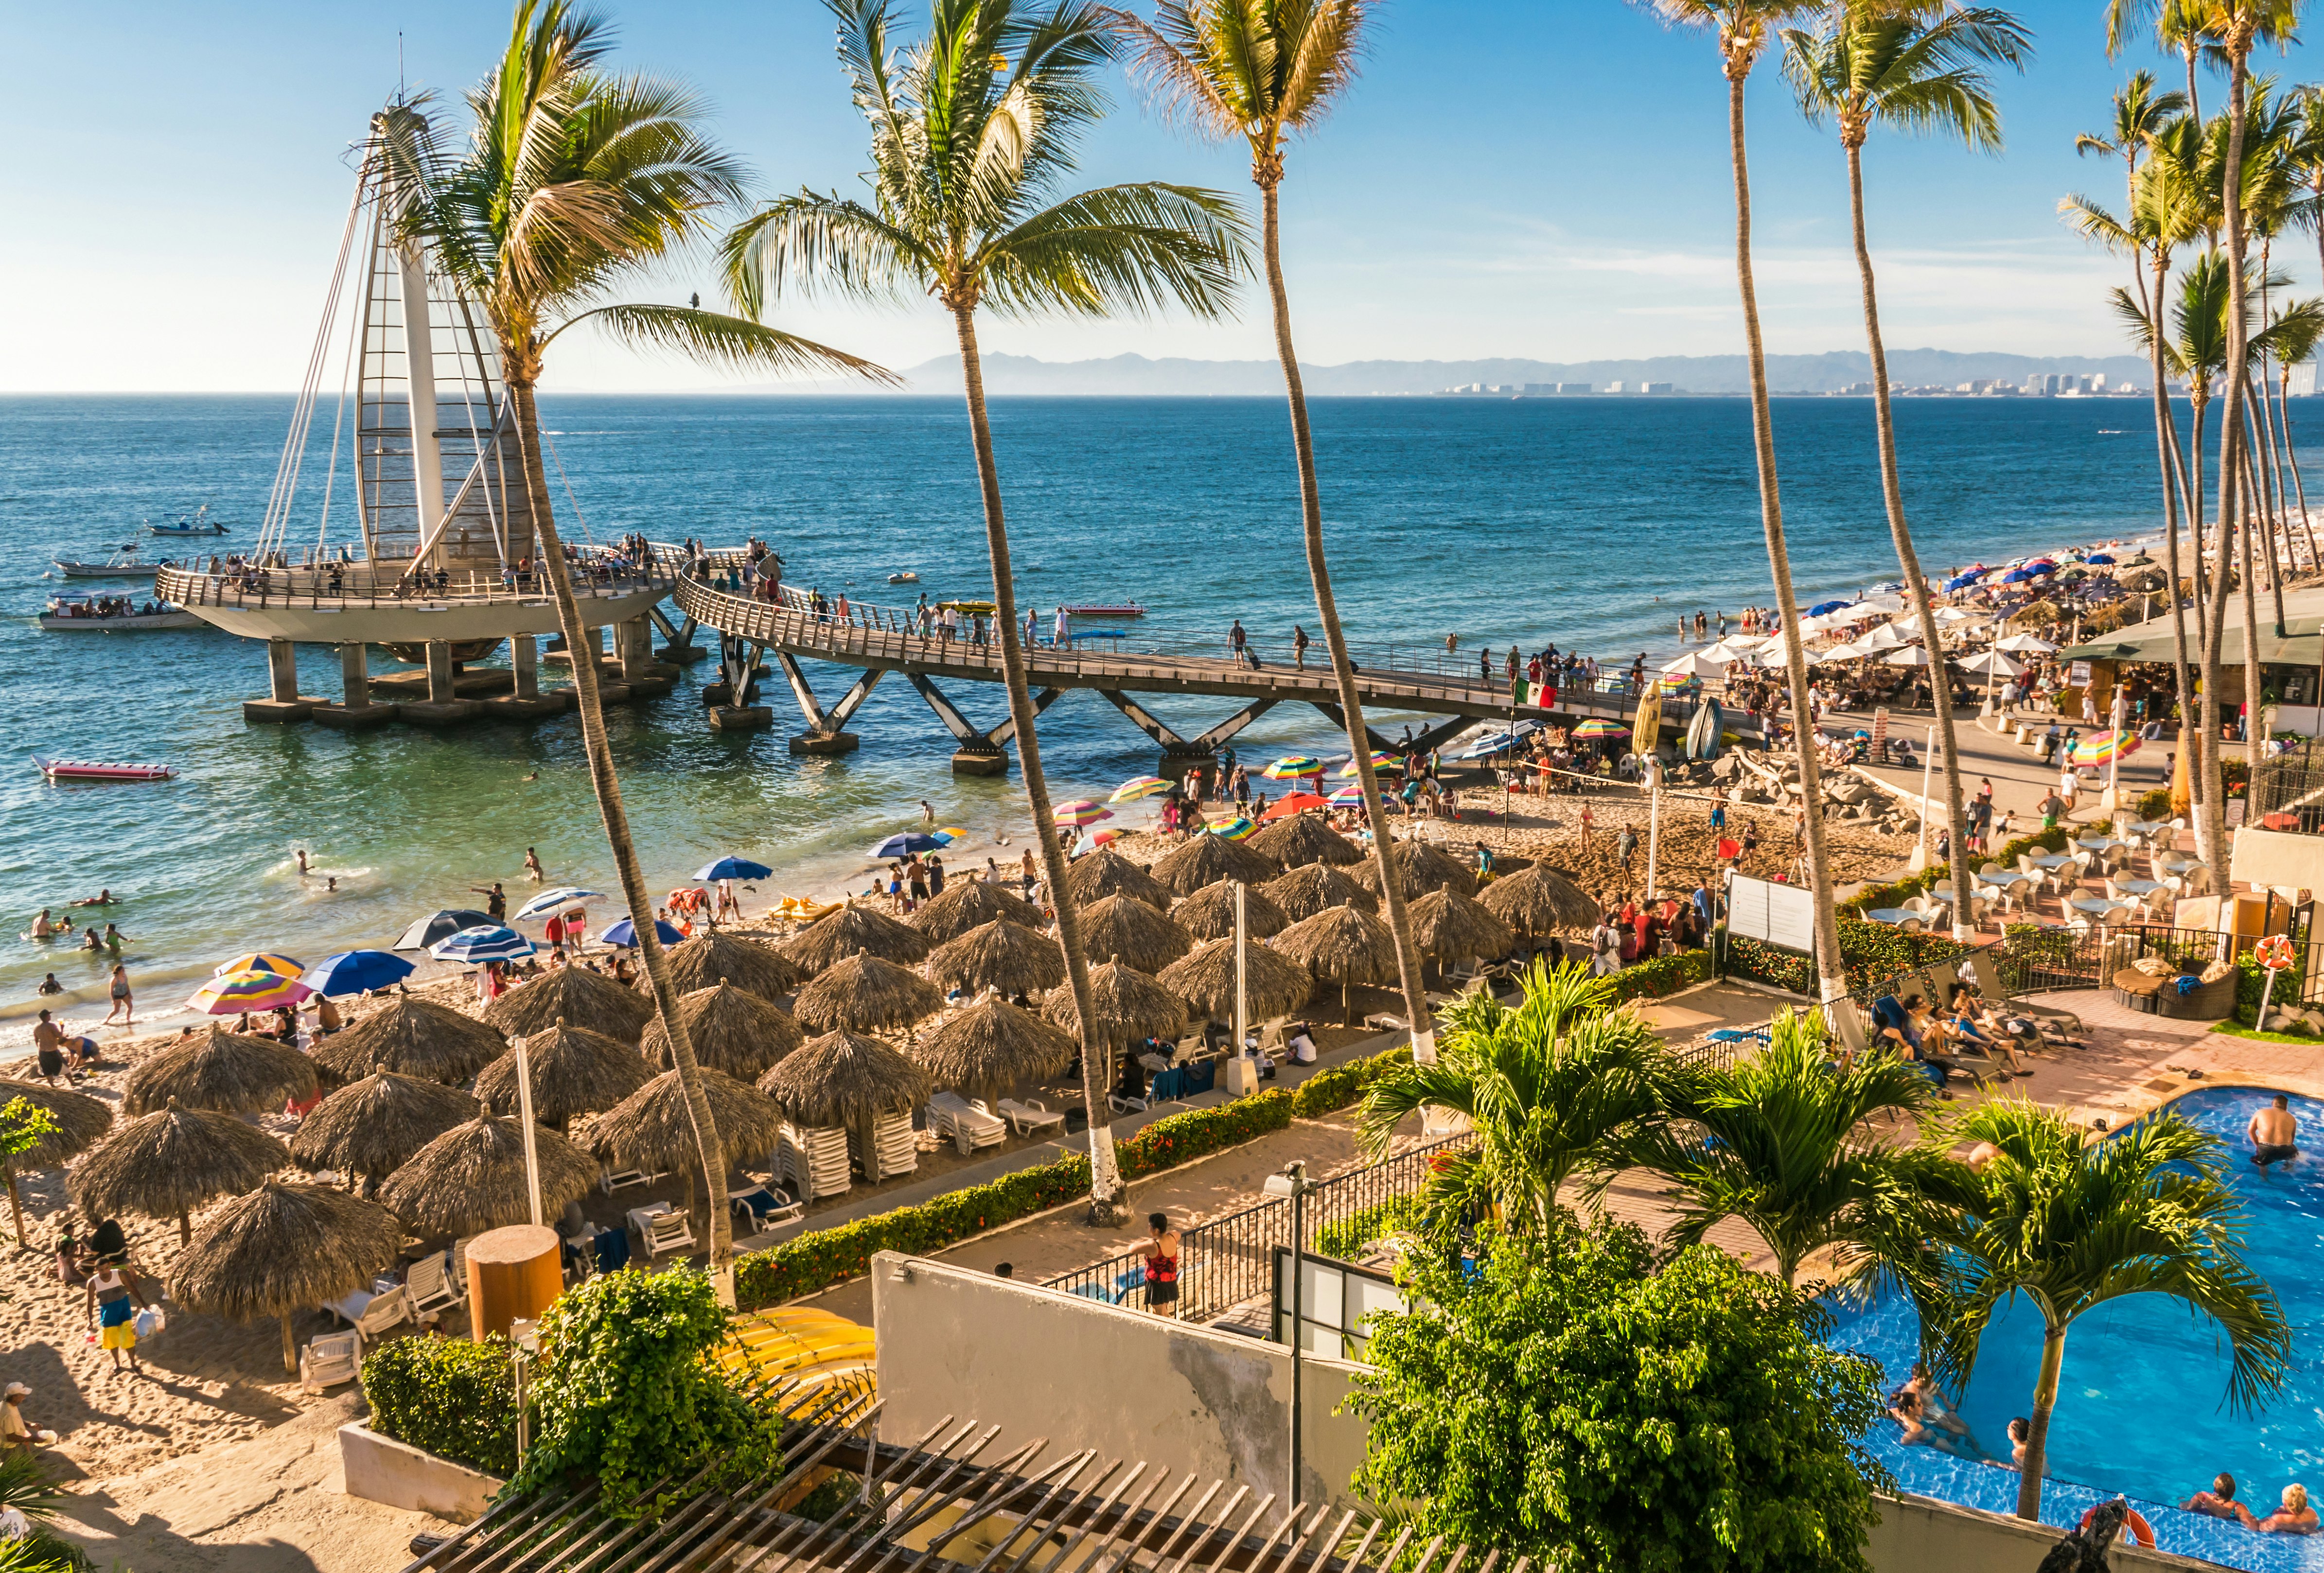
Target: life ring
pixel 2273 953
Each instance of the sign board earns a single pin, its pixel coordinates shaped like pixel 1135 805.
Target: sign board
pixel 1880 733
pixel 1781 915
pixel 2077 676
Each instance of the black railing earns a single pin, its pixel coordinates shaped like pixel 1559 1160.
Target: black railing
pixel 2289 784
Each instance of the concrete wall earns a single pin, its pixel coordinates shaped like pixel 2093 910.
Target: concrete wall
pixel 954 1341
pixel 1917 1534
pixel 381 1469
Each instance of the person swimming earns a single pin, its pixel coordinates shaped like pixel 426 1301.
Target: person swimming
pixel 2219 1502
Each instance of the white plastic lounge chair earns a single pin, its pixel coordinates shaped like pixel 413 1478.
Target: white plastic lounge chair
pixel 432 1287
pixel 969 1126
pixel 661 1228
pixel 610 1179
pixel 1030 1116
pixel 385 1312
pixel 329 1361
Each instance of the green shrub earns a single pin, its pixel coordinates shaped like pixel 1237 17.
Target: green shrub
pixel 1871 952
pixel 2155 803
pixel 1340 1087
pixel 1659 975
pixel 1351 1234
pixel 450 1396
pixel 2251 981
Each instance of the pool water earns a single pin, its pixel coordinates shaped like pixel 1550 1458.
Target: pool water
pixel 2142 1401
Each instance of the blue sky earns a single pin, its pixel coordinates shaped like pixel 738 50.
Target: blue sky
pixel 1543 177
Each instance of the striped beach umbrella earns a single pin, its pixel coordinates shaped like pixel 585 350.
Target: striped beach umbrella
pixel 1346 797
pixel 262 961
pixel 1380 761
pixel 478 946
pixel 558 900
pixel 1233 829
pixel 1079 812
pixel 2103 748
pixel 1138 787
pixel 1600 728
pixel 1292 766
pixel 253 991
pixel 1093 839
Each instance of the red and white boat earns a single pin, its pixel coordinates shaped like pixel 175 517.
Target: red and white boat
pixel 90 770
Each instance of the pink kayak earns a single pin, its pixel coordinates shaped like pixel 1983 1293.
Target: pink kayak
pixel 89 770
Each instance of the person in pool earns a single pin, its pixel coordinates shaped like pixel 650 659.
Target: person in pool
pixel 2275 1134
pixel 2219 1502
pixel 1937 1413
pixel 2295 1517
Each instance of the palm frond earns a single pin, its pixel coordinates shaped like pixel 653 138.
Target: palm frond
pixel 812 243
pixel 1121 249
pixel 716 339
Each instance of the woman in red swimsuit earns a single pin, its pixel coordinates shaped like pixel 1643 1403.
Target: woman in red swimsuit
pixel 1161 1266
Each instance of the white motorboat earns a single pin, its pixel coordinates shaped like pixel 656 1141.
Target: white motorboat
pixel 198 522
pixel 906 577
pixel 113 614
pixel 123 563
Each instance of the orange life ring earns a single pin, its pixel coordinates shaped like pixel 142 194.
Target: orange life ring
pixel 2273 953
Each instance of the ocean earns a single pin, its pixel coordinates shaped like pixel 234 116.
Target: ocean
pixel 1592 523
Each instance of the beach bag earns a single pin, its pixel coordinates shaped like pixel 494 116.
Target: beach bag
pixel 149 1323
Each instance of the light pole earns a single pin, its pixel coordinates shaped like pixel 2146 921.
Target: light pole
pixel 1243 975
pixel 1293 1183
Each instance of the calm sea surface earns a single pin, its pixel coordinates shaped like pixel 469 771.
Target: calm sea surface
pixel 1521 521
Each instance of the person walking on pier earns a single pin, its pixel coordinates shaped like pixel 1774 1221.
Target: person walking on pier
pixel 1060 634
pixel 1238 642
pixel 1299 642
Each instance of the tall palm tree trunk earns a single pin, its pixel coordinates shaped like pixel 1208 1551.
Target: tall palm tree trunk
pixel 1916 583
pixel 1105 1172
pixel 583 645
pixel 2238 43
pixel 2292 465
pixel 1831 970
pixel 2037 1425
pixel 2166 450
pixel 1336 641
pixel 2248 569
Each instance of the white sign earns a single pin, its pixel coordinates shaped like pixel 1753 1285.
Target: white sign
pixel 2077 676
pixel 1781 915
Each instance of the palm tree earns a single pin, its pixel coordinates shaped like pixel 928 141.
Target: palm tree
pixel 971 130
pixel 572 181
pixel 2071 1224
pixel 1743 30
pixel 1263 70
pixel 1872 65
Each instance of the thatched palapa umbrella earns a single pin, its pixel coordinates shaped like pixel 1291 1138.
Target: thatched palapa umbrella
pixel 712 958
pixel 1315 888
pixel 865 994
pixel 573 1071
pixel 1345 946
pixel 1539 901
pixel 1106 872
pixel 1423 866
pixel 79 1120
pixel 1300 839
pixel 1209 913
pixel 1127 930
pixel 999 954
pixel 1450 926
pixel 847 1079
pixel 992 1048
pixel 577 997
pixel 730 1029
pixel 283 1250
pixel 968 903
pixel 472 1178
pixel 1203 860
pixel 371 1127
pixel 1127 1006
pixel 413 1037
pixel 652 1129
pixel 1274 985
pixel 221 1071
pixel 168 1165
pixel 849 932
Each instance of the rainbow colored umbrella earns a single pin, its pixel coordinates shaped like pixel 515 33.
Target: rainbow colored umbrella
pixel 1346 797
pixel 1293 767
pixel 1600 728
pixel 1079 812
pixel 262 961
pixel 1671 682
pixel 1138 787
pixel 2104 747
pixel 1232 830
pixel 1093 840
pixel 1379 762
pixel 251 990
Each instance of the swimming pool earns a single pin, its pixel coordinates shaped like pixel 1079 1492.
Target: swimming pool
pixel 2140 1403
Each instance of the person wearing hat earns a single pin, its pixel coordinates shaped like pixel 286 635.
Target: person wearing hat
pixel 15 1431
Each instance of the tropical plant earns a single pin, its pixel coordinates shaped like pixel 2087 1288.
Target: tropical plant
pixel 1580 1404
pixel 453 1397
pixel 1875 65
pixel 2073 1224
pixel 23 1125
pixel 28 1490
pixel 573 181
pixel 972 130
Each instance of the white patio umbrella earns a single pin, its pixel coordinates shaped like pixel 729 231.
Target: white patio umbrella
pixel 1910 656
pixel 1697 664
pixel 1883 637
pixel 1774 658
pixel 1956 614
pixel 2026 644
pixel 1992 663
pixel 1730 649
pixel 1883 601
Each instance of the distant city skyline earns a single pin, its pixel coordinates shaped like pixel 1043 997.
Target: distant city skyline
pixel 1510 178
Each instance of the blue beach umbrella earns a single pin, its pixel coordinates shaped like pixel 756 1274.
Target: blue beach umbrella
pixel 2019 576
pixel 1963 581
pixel 558 900
pixel 625 934
pixel 731 869
pixel 355 972
pixel 900 846
pixel 2099 559
pixel 486 942
pixel 1825 607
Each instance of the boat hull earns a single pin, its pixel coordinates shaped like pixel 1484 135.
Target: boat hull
pixel 108 570
pixel 139 624
pixel 421 621
pixel 91 770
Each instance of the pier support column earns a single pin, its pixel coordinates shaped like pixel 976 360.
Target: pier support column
pixel 980 753
pixel 443 704
pixel 524 659
pixel 283 701
pixel 355 709
pixel 633 647
pixel 439 672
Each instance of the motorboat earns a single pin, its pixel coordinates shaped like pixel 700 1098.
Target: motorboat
pixel 1106 609
pixel 198 522
pixel 113 614
pixel 906 577
pixel 91 770
pixel 123 563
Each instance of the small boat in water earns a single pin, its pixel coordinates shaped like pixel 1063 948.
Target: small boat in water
pixel 1106 609
pixel 113 614
pixel 198 522
pixel 906 577
pixel 123 563
pixel 90 770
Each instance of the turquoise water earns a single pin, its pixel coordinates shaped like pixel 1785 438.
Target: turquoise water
pixel 1525 521
pixel 2141 1404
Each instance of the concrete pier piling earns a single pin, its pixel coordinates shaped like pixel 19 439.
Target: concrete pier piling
pixel 283 702
pixel 356 709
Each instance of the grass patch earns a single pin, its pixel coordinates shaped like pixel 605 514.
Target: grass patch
pixel 2236 1029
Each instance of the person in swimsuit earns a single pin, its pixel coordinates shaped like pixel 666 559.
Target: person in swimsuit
pixel 124 1004
pixel 2295 1517
pixel 2219 1502
pixel 112 1305
pixel 2274 1133
pixel 49 1045
pixel 1161 1266
pixel 533 871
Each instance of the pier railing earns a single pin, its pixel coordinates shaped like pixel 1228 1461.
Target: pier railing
pixel 312 586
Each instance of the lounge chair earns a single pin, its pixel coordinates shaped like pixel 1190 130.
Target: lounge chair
pixel 758 1208
pixel 969 1126
pixel 1121 1105
pixel 610 1179
pixel 1030 1116
pixel 385 1312
pixel 330 1361
pixel 432 1287
pixel 661 1228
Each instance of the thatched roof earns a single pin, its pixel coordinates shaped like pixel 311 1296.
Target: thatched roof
pixel 652 1129
pixel 968 903
pixel 730 1029
pixel 1203 859
pixel 1274 985
pixel 576 996
pixel 1126 1002
pixel 1540 901
pixel 1341 946
pixel 711 958
pixel 284 1248
pixel 171 1163
pixel 1125 929
pixel 992 1047
pixel 842 1078
pixel 220 1070
pixel 999 954
pixel 1313 888
pixel 850 931
pixel 572 1072
pixel 1300 839
pixel 1209 913
pixel 81 1119
pixel 865 994
pixel 1106 872
pixel 1422 867
pixel 472 1178
pixel 373 1127
pixel 1449 925
pixel 413 1037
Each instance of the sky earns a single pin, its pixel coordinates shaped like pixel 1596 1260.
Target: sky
pixel 1546 179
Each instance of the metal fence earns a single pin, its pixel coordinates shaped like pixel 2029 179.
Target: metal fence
pixel 1226 1261
pixel 2292 785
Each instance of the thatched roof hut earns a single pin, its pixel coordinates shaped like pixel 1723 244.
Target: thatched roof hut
pixel 992 1048
pixel 1422 867
pixel 219 1069
pixel 1127 930
pixel 845 1079
pixel 652 1129
pixel 1341 946
pixel 1209 913
pixel 373 1127
pixel 1274 985
pixel 472 1178
pixel 850 931
pixel 79 1120
pixel 1127 1005
pixel 1450 926
pixel 968 903
pixel 730 1029
pixel 573 1071
pixel 413 1037
pixel 1203 860
pixel 283 1250
pixel 1300 839
pixel 999 954
pixel 711 958
pixel 1106 872
pixel 1540 901
pixel 1315 888
pixel 168 1165
pixel 865 994
pixel 577 997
